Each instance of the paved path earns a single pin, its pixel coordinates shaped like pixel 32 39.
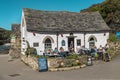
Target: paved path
pixel 16 70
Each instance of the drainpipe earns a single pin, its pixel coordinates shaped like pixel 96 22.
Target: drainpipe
pixel 57 41
pixel 84 39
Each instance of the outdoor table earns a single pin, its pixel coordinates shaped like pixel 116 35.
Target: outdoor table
pixel 54 55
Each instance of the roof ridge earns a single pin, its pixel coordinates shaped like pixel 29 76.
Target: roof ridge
pixel 62 11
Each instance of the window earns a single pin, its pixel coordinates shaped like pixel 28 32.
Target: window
pixel 63 42
pixel 104 34
pixel 91 42
pixel 78 42
pixel 35 44
pixel 23 49
pixel 48 44
pixel 23 40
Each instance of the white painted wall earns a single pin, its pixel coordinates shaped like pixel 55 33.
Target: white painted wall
pixel 23 34
pixel 101 40
pixel 39 39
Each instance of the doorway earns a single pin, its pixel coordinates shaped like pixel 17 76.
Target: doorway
pixel 70 42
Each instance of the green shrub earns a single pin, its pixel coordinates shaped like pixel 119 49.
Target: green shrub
pixel 68 62
pixel 72 56
pixel 31 51
pixel 112 37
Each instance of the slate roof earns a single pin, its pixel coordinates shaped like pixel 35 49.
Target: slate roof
pixel 41 21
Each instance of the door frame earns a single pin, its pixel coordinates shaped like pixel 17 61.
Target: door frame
pixel 69 42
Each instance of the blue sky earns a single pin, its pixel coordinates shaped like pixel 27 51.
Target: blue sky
pixel 10 10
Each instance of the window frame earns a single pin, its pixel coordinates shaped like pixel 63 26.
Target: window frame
pixel 78 43
pixel 63 42
pixel 47 45
pixel 35 44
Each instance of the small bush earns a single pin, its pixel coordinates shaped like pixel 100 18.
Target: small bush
pixel 31 51
pixel 113 37
pixel 72 56
pixel 68 62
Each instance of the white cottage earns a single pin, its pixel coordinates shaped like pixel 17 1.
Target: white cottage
pixel 45 30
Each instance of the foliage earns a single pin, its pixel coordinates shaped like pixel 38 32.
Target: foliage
pixel 73 56
pixel 110 11
pixel 68 62
pixel 4 36
pixel 113 37
pixel 111 49
pixel 31 51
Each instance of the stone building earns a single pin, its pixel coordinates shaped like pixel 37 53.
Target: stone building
pixel 15 49
pixel 46 30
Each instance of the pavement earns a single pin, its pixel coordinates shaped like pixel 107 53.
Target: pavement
pixel 17 70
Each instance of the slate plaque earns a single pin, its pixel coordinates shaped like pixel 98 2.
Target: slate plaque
pixel 42 63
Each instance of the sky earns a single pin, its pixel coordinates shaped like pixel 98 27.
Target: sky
pixel 11 10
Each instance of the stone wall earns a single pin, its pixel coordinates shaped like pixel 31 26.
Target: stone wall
pixel 31 61
pixel 15 50
pixel 60 63
pixel 55 63
pixel 114 48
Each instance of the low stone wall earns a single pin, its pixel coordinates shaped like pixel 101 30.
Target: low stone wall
pixel 31 61
pixel 55 64
pixel 63 63
pixel 67 68
pixel 15 50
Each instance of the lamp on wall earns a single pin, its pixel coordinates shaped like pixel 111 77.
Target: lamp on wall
pixel 104 34
pixel 34 34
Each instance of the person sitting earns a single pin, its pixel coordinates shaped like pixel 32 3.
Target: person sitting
pixel 100 52
pixel 92 51
pixel 106 47
pixel 83 50
pixel 62 53
pixel 51 51
pixel 78 49
pixel 55 50
pixel 71 50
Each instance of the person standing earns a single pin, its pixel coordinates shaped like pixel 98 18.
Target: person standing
pixel 100 52
pixel 71 44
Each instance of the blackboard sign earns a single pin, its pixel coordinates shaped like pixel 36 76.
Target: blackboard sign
pixel 118 35
pixel 42 63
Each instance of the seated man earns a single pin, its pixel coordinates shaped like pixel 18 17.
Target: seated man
pixel 62 52
pixel 55 50
pixel 92 51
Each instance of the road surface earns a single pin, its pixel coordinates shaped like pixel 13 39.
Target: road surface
pixel 16 70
